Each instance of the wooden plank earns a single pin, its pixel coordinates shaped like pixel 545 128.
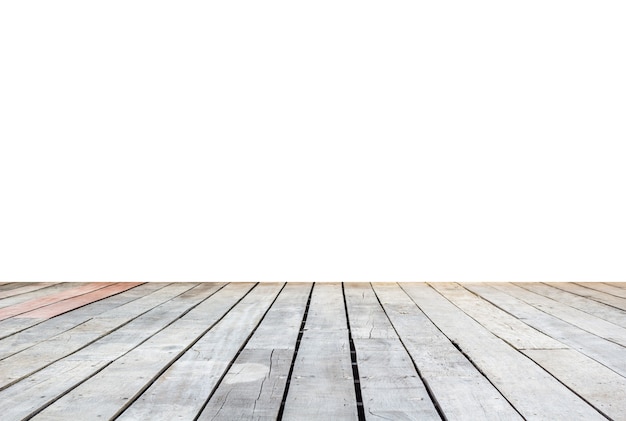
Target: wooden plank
pixel 603 311
pixel 608 289
pixel 253 387
pixel 508 328
pixel 391 387
pixel 84 364
pixel 591 294
pixel 14 326
pixel 586 377
pixel 51 327
pixel 573 316
pixel 107 393
pixel 22 364
pixel 599 385
pixel 182 390
pixel 321 385
pixel 460 390
pixel 30 305
pixel 23 290
pixel 532 391
pixel 64 306
pixel 617 284
pixel 41 292
pixel 605 352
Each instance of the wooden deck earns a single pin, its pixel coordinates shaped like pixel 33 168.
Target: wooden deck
pixel 355 351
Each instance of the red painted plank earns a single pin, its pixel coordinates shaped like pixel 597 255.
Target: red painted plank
pixel 33 304
pixel 79 301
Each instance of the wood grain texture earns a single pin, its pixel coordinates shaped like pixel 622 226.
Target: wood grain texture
pixel 25 293
pixel 253 387
pixel 73 369
pixel 608 289
pixel 182 390
pixel 460 390
pixel 529 388
pixel 390 385
pixel 21 364
pixel 73 303
pixel 592 294
pixel 571 315
pixel 322 386
pixel 603 351
pixel 508 328
pixel 257 352
pixel 46 329
pixel 589 306
pixel 109 392
pixel 34 304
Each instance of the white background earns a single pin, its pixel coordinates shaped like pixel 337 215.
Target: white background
pixel 312 141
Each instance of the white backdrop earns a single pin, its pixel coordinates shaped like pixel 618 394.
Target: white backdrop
pixel 312 141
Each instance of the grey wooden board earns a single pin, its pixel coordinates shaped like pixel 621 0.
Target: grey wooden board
pixel 390 386
pixel 603 311
pixel 513 331
pixel 253 387
pixel 591 294
pixel 461 391
pixel 184 387
pixel 72 370
pixel 51 327
pixel 608 289
pixel 23 363
pixel 529 388
pixel 573 316
pixel 599 349
pixel 109 392
pixel 579 366
pixel 29 292
pixel 13 325
pixel 600 386
pixel 321 385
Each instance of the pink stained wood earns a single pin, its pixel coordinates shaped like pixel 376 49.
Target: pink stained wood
pixel 69 304
pixel 33 304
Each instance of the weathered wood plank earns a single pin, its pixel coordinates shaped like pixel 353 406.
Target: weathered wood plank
pixel 73 303
pixel 49 328
pixel 23 290
pixel 573 316
pixel 30 305
pixel 182 390
pixel 513 331
pixel 38 293
pixel 21 364
pixel 608 289
pixel 322 386
pixel 603 311
pixel 391 387
pixel 13 326
pixel 253 387
pixel 597 384
pixel 84 364
pixel 591 294
pixel 460 390
pixel 107 393
pixel 583 373
pixel 608 353
pixel 532 391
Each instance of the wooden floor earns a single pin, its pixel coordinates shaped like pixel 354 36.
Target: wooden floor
pixel 321 351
